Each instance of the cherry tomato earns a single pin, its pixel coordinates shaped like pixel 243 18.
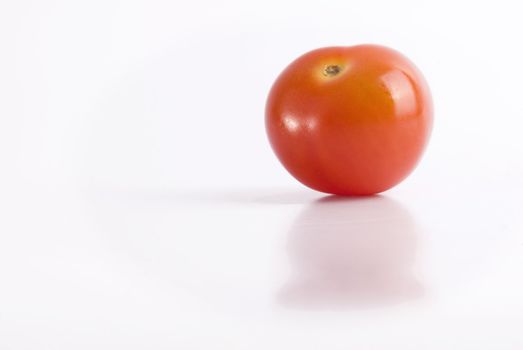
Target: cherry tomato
pixel 349 120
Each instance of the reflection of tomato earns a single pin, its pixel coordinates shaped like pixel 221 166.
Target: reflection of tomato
pixel 352 253
pixel 349 120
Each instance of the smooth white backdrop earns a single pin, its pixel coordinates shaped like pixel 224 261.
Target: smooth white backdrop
pixel 142 206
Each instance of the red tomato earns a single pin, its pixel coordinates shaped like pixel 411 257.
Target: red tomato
pixel 349 120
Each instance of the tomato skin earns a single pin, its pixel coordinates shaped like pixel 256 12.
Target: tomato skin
pixel 349 120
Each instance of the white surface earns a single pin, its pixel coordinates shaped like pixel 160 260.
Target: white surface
pixel 142 208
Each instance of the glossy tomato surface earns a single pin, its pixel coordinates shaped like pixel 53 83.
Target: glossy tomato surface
pixel 349 120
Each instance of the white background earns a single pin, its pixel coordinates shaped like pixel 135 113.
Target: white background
pixel 141 206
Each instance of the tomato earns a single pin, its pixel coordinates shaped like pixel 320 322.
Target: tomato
pixel 349 120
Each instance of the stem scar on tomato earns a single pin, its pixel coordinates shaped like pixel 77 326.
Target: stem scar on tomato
pixel 332 70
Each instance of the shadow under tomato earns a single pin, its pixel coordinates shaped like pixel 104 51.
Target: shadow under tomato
pixel 351 252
